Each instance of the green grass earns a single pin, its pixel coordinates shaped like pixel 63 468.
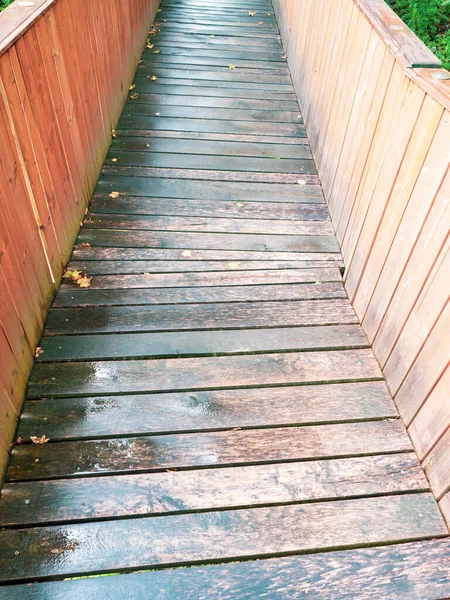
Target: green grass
pixel 4 4
pixel 430 21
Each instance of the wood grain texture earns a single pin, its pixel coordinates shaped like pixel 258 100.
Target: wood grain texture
pixel 128 544
pixel 185 491
pixel 400 571
pixel 96 417
pixel 185 451
pixel 90 378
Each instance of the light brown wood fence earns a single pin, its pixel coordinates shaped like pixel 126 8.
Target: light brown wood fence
pixel 65 69
pixel 376 107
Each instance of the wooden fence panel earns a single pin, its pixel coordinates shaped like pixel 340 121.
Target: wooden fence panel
pixel 65 70
pixel 376 107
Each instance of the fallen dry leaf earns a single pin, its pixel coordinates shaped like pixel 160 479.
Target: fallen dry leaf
pixel 284 56
pixel 132 87
pixel 114 194
pixel 301 182
pixel 114 160
pixel 212 36
pixel 39 440
pixel 84 245
pixel 252 14
pixel 134 96
pixel 148 275
pixel 239 204
pixel 233 265
pixel 38 352
pixel 231 67
pixel 113 133
pixel 84 282
pixel 186 253
pixel 150 46
pixel 153 78
pixel 261 23
pixel 156 51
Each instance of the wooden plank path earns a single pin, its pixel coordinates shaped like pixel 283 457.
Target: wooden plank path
pixel 210 399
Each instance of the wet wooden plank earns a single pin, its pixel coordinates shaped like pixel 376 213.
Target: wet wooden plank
pixel 211 175
pixel 239 315
pixel 185 451
pixel 178 88
pixel 93 547
pixel 254 148
pixel 219 163
pixel 255 370
pixel 50 502
pixel 96 417
pixel 197 343
pixel 71 297
pixel 140 122
pixel 127 267
pixel 200 51
pixel 414 569
pixel 242 60
pixel 208 241
pixel 318 276
pixel 207 224
pixel 209 190
pixel 167 255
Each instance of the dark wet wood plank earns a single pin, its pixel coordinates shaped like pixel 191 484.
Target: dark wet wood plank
pixel 243 61
pixel 142 122
pixel 209 190
pixel 82 252
pixel 50 502
pixel 196 343
pixel 69 296
pixel 194 51
pixel 124 267
pixel 205 537
pixel 219 163
pixel 409 570
pixel 239 315
pixel 254 370
pixel 178 88
pixel 95 417
pixel 210 146
pixel 231 277
pixel 208 241
pixel 207 224
pixel 185 451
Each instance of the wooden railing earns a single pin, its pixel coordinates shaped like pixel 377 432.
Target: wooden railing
pixel 65 70
pixel 376 107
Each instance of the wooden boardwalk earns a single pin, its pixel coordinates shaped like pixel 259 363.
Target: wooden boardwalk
pixel 211 398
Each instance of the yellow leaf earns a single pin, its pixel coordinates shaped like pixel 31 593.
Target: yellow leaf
pixel 134 96
pixel 232 67
pixel 186 253
pixel 153 78
pixel 301 182
pixel 114 195
pixel 156 51
pixel 150 46
pixel 38 352
pixel 212 36
pixel 39 440
pixel 113 133
pixel 74 275
pixel 239 204
pixel 252 14
pixel 147 145
pixel 132 87
pixel 233 265
pixel 114 160
pixel 318 283
pixel 84 282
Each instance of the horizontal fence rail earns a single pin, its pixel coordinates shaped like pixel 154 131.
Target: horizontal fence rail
pixel 65 69
pixel 376 107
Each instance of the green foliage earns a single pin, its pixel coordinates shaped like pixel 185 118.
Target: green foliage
pixel 430 20
pixel 4 4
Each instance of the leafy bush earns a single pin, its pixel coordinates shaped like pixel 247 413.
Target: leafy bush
pixel 430 20
pixel 4 4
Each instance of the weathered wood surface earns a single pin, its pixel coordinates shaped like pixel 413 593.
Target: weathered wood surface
pixel 399 572
pixel 379 133
pixel 210 397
